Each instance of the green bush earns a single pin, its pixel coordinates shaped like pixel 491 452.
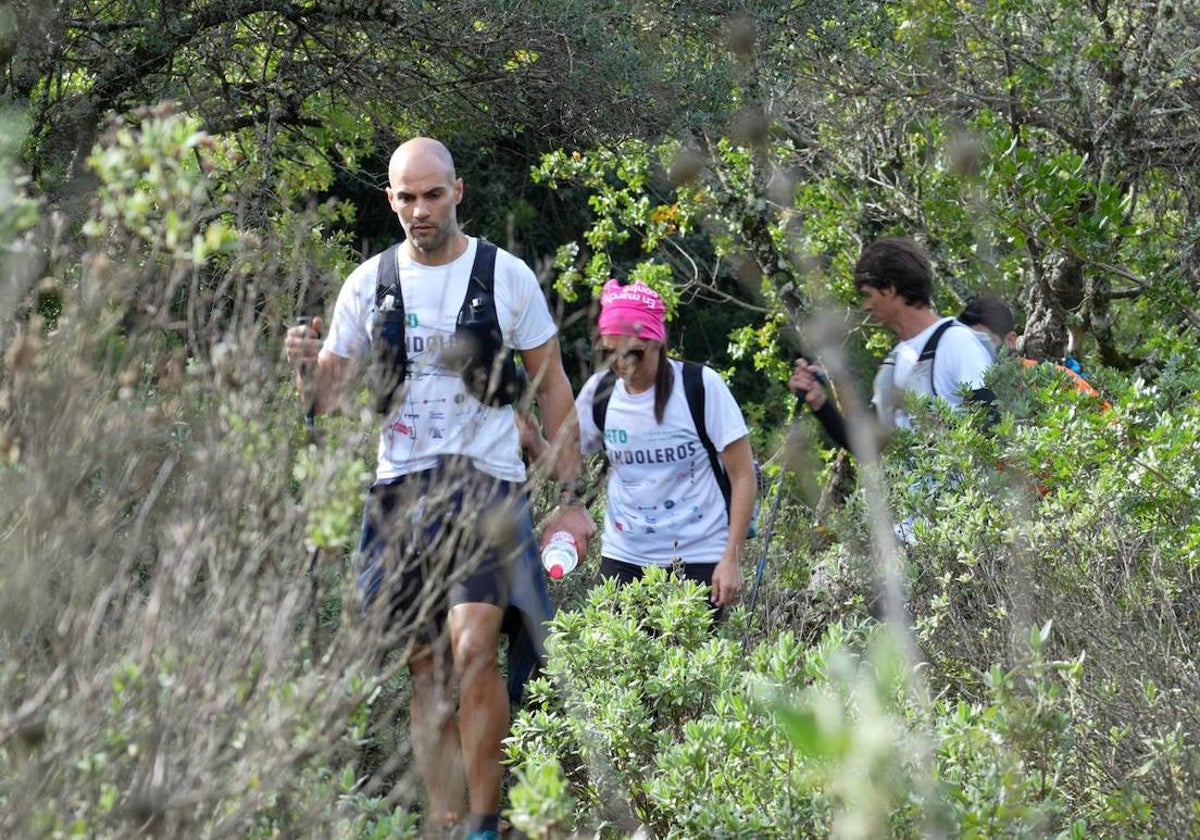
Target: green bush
pixel 652 717
pixel 646 718
pixel 1081 517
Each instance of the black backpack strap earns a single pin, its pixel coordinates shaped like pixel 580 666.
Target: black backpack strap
pixel 389 364
pixel 980 396
pixel 483 278
pixel 387 278
pixel 600 397
pixel 693 389
pixel 929 351
pixel 496 387
pixel 604 389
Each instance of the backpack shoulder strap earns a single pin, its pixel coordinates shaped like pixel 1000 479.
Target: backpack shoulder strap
pixel 931 345
pixel 604 389
pixel 929 351
pixel 388 276
pixel 483 278
pixel 983 396
pixel 693 390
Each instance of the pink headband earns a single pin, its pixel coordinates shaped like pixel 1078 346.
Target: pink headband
pixel 635 310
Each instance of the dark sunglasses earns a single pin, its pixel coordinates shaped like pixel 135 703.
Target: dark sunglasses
pixel 634 355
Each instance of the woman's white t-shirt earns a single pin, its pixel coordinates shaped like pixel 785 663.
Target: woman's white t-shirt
pixel 436 416
pixel 663 499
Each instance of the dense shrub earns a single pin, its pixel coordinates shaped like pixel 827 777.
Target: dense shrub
pixel 654 719
pixel 160 507
pixel 646 718
pixel 1087 519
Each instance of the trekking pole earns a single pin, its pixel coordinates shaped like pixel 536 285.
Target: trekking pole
pixel 768 532
pixel 772 514
pixel 308 387
pixel 308 399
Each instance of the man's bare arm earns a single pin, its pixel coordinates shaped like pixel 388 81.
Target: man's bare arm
pixel 544 366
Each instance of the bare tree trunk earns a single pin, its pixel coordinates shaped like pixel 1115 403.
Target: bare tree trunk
pixel 1049 304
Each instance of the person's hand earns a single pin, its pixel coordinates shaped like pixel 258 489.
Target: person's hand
pixel 807 381
pixel 303 342
pixel 726 582
pixel 533 442
pixel 576 521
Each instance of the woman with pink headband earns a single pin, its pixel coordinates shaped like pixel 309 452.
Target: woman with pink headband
pixel 668 501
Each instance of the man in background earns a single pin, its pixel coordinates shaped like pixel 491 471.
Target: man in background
pixel 934 356
pixel 991 317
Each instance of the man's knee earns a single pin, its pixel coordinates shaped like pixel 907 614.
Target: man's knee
pixel 475 637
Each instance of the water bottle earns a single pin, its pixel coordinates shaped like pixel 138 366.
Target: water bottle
pixel 559 556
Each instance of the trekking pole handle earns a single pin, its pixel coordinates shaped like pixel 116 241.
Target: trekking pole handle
pixel 308 395
pixel 822 378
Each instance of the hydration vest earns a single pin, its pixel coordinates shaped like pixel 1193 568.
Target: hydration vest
pixel 489 369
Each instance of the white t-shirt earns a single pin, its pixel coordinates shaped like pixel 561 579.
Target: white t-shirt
pixel 436 416
pixel 960 359
pixel 663 500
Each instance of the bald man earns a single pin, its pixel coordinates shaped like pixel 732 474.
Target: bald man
pixel 447 545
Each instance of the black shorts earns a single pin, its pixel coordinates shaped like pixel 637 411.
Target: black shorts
pixel 435 539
